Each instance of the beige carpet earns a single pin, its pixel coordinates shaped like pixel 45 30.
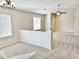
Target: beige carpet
pixel 22 48
pixel 67 47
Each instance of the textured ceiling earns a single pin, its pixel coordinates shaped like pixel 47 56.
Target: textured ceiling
pixel 44 6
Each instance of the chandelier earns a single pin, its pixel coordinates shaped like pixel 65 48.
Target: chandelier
pixel 7 4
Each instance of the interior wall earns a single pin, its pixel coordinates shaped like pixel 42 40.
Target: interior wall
pixel 63 25
pixel 53 23
pixel 64 22
pixel 76 21
pixel 38 38
pixel 20 20
pixel 48 22
pixel 57 24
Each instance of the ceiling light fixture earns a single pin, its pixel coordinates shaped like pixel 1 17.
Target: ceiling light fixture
pixel 7 4
pixel 58 13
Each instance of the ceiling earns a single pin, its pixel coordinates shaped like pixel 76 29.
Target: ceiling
pixel 44 6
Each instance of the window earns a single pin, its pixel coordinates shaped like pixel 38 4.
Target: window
pixel 5 25
pixel 36 23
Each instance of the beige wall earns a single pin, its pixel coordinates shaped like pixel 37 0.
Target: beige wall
pixel 76 21
pixel 19 20
pixel 53 23
pixel 64 22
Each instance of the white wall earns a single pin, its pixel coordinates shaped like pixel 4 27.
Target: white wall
pixel 37 38
pixel 48 22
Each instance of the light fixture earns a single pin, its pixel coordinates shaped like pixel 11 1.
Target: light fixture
pixel 7 4
pixel 58 13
